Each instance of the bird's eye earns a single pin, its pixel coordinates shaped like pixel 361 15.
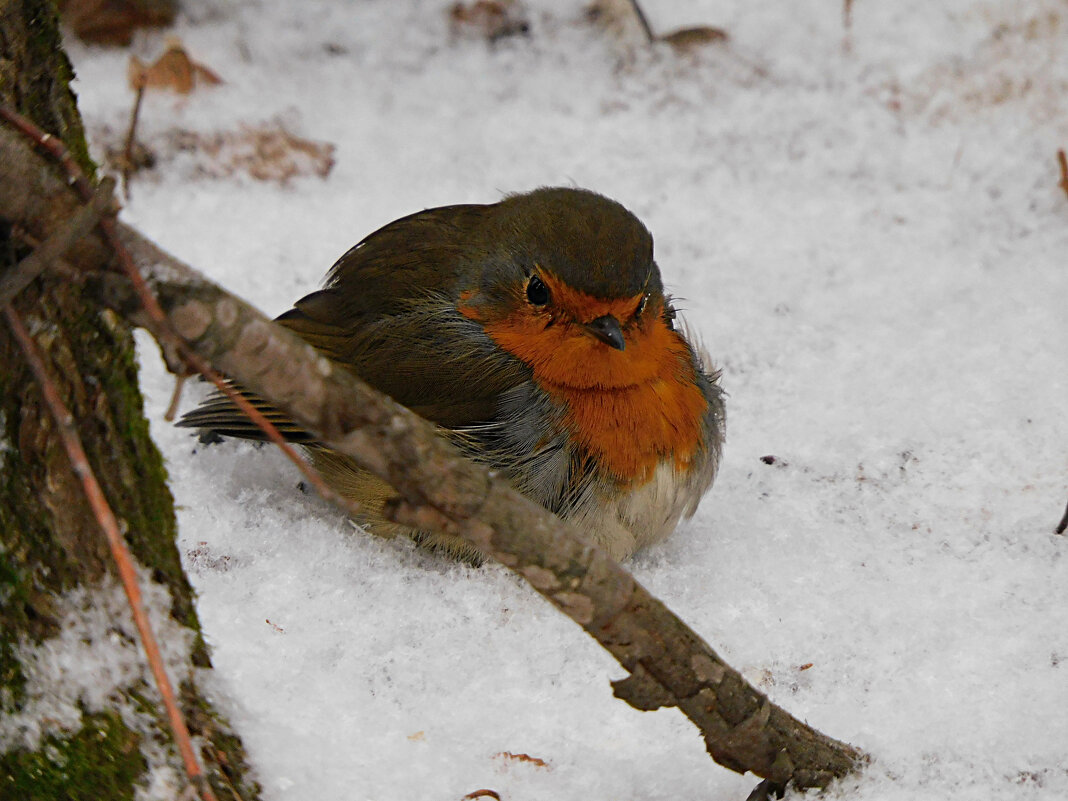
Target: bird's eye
pixel 537 292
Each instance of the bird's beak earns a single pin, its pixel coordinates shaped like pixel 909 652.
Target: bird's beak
pixel 607 330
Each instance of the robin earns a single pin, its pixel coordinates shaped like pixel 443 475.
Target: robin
pixel 535 333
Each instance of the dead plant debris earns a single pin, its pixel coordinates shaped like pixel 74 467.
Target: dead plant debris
pixel 267 152
pixel 623 16
pixel 686 40
pixel 1062 161
pixel 525 758
pixel 113 22
pixel 489 19
pixel 174 70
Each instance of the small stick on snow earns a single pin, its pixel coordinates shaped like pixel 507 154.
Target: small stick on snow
pixel 643 21
pixel 176 398
pixel 127 151
pixel 1062 160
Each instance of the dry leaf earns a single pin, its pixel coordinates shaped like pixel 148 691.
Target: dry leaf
pixel 685 40
pixel 491 19
pixel 527 758
pixel 113 22
pixel 173 70
pixel 267 153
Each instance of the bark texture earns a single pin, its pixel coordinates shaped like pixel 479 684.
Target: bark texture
pixel 50 543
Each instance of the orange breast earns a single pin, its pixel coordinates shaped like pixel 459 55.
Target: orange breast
pixel 629 431
pixel 628 409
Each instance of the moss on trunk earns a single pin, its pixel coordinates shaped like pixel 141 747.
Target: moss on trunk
pixel 101 760
pixel 50 543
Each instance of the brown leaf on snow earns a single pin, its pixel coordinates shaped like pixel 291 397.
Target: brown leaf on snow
pixel 113 22
pixel 685 40
pixel 174 70
pixel 527 758
pixel 267 152
pixel 492 19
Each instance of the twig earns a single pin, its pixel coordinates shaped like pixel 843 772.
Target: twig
pixel 649 35
pixel 157 323
pixel 58 243
pixel 53 146
pixel 119 552
pixel 1062 160
pixel 1063 525
pixel 176 398
pixel 162 329
pixel 128 155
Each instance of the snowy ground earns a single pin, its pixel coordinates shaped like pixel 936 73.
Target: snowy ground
pixel 866 230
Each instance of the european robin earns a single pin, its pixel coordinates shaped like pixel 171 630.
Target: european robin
pixel 536 334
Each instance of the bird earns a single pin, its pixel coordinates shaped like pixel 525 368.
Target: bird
pixel 536 334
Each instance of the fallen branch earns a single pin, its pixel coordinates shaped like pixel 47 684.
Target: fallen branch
pixel 438 489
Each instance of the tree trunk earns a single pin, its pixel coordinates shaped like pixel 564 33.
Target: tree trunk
pixel 79 716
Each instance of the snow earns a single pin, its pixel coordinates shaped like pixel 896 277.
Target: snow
pixel 864 227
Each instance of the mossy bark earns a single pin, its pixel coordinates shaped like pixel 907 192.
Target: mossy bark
pixel 50 543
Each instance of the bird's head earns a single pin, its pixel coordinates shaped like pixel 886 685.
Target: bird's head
pixel 564 279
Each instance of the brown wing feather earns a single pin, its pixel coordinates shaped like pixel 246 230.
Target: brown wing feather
pixel 388 313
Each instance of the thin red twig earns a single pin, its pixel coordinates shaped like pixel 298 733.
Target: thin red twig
pixel 53 145
pixel 119 552
pixel 77 179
